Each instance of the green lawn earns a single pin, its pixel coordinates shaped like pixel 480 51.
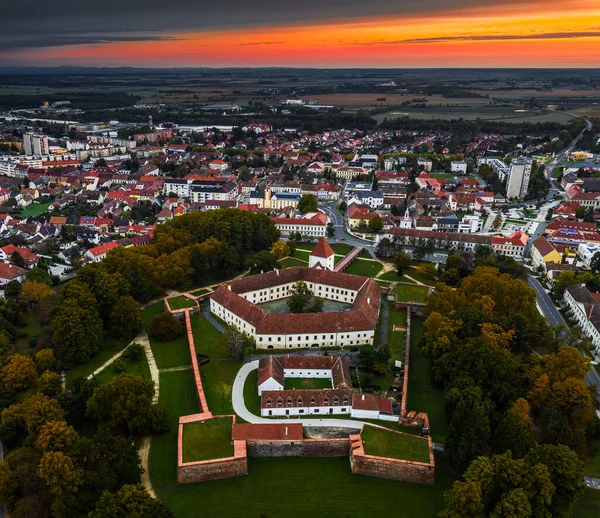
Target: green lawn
pixel 383 284
pixel 288 262
pixel 592 462
pixel 396 339
pixel 178 397
pixel 181 302
pixel 32 328
pixel 422 395
pixel 392 276
pixel 412 271
pixel 588 504
pixel 300 487
pixel 207 440
pixel 364 268
pixel 136 368
pixel 199 293
pixel 411 293
pixel 251 397
pixel 382 443
pixel 341 249
pixel 110 347
pixel 301 254
pixel 175 353
pixel 218 375
pixel 307 383
pixel 34 210
pixel 365 255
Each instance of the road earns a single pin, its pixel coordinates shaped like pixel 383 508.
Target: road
pixel 558 159
pixel 545 303
pixel 330 208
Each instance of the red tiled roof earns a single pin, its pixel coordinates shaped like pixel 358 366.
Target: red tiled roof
pixel 313 398
pixel 322 249
pixel 367 402
pixel 267 432
pixel 543 246
pixel 102 249
pixel 10 271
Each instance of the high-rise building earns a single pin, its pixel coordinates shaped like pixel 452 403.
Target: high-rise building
pixel 517 181
pixel 35 144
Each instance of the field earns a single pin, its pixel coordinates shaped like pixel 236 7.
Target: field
pixel 382 443
pixel 288 262
pixel 34 210
pixel 174 353
pixel 207 440
pixel 139 368
pixel 181 302
pixel 422 395
pixel 299 487
pixel 307 383
pixel 411 293
pixel 364 267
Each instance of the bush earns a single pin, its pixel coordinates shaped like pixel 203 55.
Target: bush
pixel 165 327
pixel 118 365
pixel 135 352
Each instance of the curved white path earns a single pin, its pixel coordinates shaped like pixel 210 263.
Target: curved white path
pixel 239 406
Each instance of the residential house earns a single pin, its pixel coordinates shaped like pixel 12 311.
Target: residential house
pixel 542 252
pixel 98 253
pixel 583 307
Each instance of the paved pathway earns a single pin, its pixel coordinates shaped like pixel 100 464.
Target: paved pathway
pixel 208 315
pixel 383 329
pixel 177 369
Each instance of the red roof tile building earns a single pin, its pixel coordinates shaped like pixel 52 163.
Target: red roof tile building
pixel 236 303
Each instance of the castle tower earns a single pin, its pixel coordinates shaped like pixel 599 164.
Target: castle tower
pixel 323 255
pixel 406 221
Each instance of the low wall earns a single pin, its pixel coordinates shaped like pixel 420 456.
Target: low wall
pixel 304 448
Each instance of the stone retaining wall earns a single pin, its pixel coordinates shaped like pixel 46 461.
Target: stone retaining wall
pixel 304 448
pixel 215 469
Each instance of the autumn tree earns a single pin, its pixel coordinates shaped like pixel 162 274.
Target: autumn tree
pixel 33 292
pixel 8 482
pixel 125 404
pixel 427 270
pixel 280 249
pixel 126 318
pixel 165 327
pixel 38 410
pixel 45 360
pixel 56 436
pixel 402 261
pixel 49 383
pixel 59 473
pixel 19 373
pixel 376 224
pixel 131 501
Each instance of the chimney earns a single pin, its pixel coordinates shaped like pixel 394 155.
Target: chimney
pixel 277 270
pixel 368 300
pixel 363 397
pixel 229 287
pixel 286 431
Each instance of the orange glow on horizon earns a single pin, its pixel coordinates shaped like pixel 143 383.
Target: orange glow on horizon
pixel 561 36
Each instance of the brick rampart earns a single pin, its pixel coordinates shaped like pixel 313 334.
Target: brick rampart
pixel 197 379
pixel 215 469
pixel 406 363
pixel 304 448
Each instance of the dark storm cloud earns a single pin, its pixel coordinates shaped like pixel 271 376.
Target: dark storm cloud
pixel 60 40
pixel 50 22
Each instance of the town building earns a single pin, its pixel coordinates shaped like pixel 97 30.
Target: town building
pixel 35 144
pixel 312 225
pixel 517 182
pixel 583 307
pixel 511 246
pixel 266 199
pixel 322 255
pixel 542 252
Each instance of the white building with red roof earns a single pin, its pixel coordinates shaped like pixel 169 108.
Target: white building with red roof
pixel 312 225
pixel 512 246
pixel 322 255
pixel 98 253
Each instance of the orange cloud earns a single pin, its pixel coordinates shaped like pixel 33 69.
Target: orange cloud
pixel 561 35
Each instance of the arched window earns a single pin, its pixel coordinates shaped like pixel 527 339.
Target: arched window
pixel 269 401
pixel 345 400
pixel 326 401
pixel 336 400
pixel 279 402
pixel 299 401
pixel 313 400
pixel 289 401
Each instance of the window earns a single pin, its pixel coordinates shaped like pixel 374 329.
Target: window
pixel 279 402
pixel 325 401
pixel 336 400
pixel 313 400
pixel 268 401
pixel 299 401
pixel 289 401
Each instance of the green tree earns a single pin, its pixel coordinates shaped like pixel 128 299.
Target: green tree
pixel 402 261
pixel 45 360
pixel 262 262
pixel 376 224
pixel 238 343
pixel 125 404
pixel 76 332
pixel 165 327
pixel 17 259
pixel 12 290
pixel 330 230
pixel 39 275
pixel 131 501
pixel 126 317
pixel 307 203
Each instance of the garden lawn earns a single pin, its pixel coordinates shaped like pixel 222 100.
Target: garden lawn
pixel 383 443
pixel 307 383
pixel 340 249
pixel 592 461
pixel 251 397
pixel 218 375
pixel 588 504
pixel 139 368
pixel 175 353
pixel 30 330
pixel 301 487
pixel 178 397
pixel 207 440
pixel 412 272
pixel 181 302
pixel 288 262
pixel 199 293
pixel 301 254
pixel 411 293
pixel 422 395
pixel 110 347
pixel 34 210
pixel 364 267
pixel 392 276
pixel 396 339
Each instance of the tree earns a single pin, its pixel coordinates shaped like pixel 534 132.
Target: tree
pixel 125 404
pixel 594 263
pixel 427 270
pixel 45 360
pixel 262 262
pixel 165 327
pixel 49 383
pixel 385 249
pixel 300 297
pixel 19 373
pixel 12 290
pixel 307 203
pixel 59 473
pixel 330 230
pixel 131 501
pixel 238 343
pixel 8 482
pixel 126 317
pixel 376 224
pixel 402 261
pixel 77 332
pixel 38 410
pixel 280 249
pixel 56 436
pixel 32 292
pixel 17 259
pixel 39 275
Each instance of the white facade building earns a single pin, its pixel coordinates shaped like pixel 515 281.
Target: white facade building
pixel 517 182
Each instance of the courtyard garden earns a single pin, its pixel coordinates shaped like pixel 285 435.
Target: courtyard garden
pixel 364 267
pixel 411 293
pixel 181 302
pixel 173 353
pixel 307 383
pixel 384 443
pixel 207 440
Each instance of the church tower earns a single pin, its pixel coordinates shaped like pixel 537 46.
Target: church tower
pixel 322 255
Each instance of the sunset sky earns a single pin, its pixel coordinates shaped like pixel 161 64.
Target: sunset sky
pixel 319 33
